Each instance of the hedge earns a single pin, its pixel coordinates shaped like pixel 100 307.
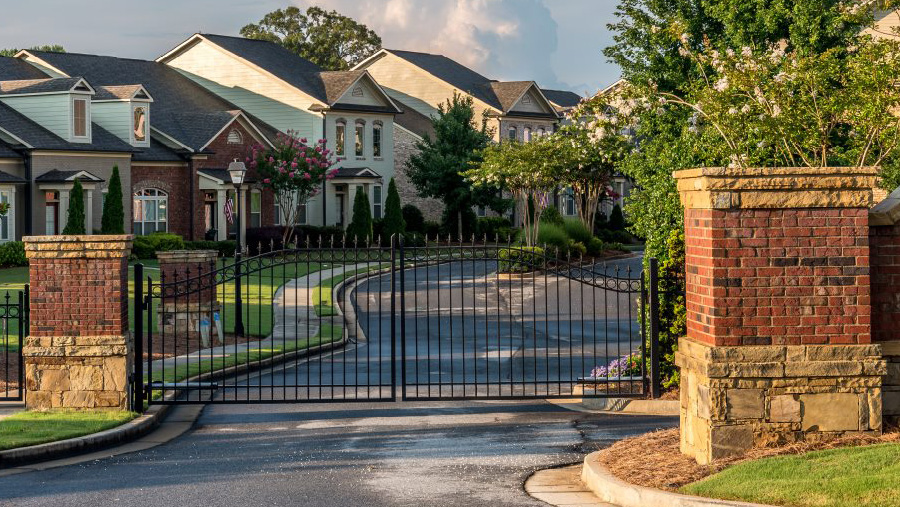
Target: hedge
pixel 12 254
pixel 520 259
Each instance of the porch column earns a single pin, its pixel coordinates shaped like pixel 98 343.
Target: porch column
pixel 89 212
pixel 63 210
pixel 222 232
pixel 79 353
pixel 778 345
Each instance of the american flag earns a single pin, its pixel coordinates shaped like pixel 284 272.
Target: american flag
pixel 229 210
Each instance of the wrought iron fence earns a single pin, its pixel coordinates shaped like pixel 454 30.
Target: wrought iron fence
pixel 13 329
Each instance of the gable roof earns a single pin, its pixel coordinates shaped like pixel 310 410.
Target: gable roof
pixel 501 95
pixel 37 137
pixel 45 85
pixel 7 152
pixel 122 92
pixel 182 109
pixel 57 176
pixel 325 86
pixel 14 68
pixel 562 98
pixel 414 121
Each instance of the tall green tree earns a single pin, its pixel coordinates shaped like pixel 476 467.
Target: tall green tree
pixel 113 221
pixel 50 48
pixel 75 213
pixel 327 38
pixel 437 166
pixel 359 232
pixel 393 213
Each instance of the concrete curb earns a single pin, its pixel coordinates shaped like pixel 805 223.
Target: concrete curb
pixel 616 491
pixel 131 430
pixel 344 306
pixel 633 406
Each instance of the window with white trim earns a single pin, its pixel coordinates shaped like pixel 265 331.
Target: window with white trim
pixel 513 134
pixel 568 202
pixel 526 134
pixel 150 211
pixel 377 202
pixel 255 208
pixel 376 139
pixel 301 214
pixel 481 211
pixel 80 118
pixel 140 124
pixel 6 230
pixel 340 135
pixel 360 138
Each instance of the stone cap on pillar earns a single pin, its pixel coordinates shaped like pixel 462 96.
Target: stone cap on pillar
pixel 186 256
pixel 78 247
pixel 777 187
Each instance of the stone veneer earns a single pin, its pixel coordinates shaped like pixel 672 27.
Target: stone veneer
pixel 778 308
pixel 79 351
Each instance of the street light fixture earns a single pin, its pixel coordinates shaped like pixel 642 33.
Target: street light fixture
pixel 237 170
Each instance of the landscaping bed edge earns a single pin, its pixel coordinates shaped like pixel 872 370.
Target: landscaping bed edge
pixel 611 489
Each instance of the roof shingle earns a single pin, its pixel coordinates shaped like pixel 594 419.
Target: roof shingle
pixel 14 68
pixel 40 138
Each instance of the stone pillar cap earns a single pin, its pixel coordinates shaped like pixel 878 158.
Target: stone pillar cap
pixel 176 256
pixel 776 187
pixel 74 247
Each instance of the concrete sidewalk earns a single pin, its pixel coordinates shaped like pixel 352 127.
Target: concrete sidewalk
pixel 294 318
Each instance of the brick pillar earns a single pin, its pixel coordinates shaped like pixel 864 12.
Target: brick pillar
pixel 79 352
pixel 778 345
pixel 189 302
pixel 884 236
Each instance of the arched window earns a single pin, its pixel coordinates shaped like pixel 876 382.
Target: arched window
pixel 150 211
pixel 376 138
pixel 541 132
pixel 513 134
pixel 526 134
pixel 235 137
pixel 360 137
pixel 340 136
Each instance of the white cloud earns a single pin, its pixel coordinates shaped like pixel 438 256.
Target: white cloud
pixel 502 39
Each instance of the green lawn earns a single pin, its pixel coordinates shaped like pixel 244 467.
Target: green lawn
pixel 32 428
pixel 328 333
pixel 322 300
pixel 866 476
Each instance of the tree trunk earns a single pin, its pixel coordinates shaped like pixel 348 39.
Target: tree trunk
pixel 459 224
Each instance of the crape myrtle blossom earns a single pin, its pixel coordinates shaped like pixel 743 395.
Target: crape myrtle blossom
pixel 775 106
pixel 294 171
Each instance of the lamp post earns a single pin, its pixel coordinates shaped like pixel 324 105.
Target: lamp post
pixel 237 170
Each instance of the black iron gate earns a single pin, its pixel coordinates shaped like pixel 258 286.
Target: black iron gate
pixel 347 323
pixel 13 329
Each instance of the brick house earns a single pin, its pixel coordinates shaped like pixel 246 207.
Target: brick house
pixel 174 141
pixel 347 108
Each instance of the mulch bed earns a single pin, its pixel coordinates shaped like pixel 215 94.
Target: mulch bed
pixel 654 459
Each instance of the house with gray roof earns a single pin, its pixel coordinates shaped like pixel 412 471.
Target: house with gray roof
pixel 348 109
pixel 169 134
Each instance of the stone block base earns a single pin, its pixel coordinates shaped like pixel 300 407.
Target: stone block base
pixel 891 386
pixel 736 398
pixel 77 371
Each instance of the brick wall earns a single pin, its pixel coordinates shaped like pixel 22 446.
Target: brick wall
pixel 885 251
pixel 778 277
pixel 174 180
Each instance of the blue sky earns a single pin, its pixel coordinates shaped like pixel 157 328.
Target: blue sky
pixel 555 42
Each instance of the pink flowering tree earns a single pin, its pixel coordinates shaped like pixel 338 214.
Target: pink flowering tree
pixel 295 171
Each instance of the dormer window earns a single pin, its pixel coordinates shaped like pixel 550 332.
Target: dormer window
pixel 235 137
pixel 80 128
pixel 140 124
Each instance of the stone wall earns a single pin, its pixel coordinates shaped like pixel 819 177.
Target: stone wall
pixel 404 148
pixel 79 351
pixel 734 398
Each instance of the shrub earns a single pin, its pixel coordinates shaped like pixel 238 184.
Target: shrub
pixel 450 225
pixel 263 239
pixel 145 247
pixel 507 235
pixel 415 220
pixel 225 248
pixel 113 220
pixel 359 232
pixel 490 226
pixel 12 254
pixel 413 239
pixel 595 246
pixel 577 231
pixel 551 216
pixel 553 236
pixel 521 259
pixel 617 219
pixel 615 246
pixel 432 229
pixel 577 249
pixel 393 215
pixel 75 213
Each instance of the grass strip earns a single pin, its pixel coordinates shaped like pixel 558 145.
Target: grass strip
pixel 322 299
pixel 860 476
pixel 39 427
